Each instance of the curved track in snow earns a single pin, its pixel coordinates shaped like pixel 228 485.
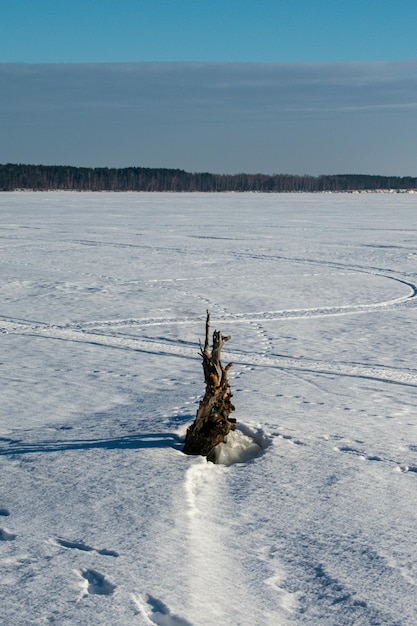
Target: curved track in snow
pixel 102 333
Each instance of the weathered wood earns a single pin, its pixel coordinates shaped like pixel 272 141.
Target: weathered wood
pixel 212 422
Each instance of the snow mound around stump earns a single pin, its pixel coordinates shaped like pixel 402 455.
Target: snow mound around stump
pixel 240 446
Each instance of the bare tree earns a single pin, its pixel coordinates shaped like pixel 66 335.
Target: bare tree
pixel 212 422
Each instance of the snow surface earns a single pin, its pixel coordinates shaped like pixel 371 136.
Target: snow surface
pixel 103 520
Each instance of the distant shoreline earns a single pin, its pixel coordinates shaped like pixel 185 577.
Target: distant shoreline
pixel 352 192
pixel 20 177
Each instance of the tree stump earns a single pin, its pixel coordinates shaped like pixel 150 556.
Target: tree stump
pixel 212 422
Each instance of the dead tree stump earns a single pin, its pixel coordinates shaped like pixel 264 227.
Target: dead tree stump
pixel 212 422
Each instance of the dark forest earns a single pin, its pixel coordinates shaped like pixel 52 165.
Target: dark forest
pixel 15 177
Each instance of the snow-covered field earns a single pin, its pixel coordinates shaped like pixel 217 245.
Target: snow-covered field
pixel 103 299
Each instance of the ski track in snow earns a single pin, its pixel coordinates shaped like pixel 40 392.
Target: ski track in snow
pixel 204 541
pixel 217 581
pixel 99 332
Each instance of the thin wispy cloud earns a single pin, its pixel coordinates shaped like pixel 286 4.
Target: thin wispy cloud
pixel 209 116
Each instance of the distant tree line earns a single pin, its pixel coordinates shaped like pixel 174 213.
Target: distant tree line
pixel 65 178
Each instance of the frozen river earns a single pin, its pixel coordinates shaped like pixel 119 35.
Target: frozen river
pixel 103 299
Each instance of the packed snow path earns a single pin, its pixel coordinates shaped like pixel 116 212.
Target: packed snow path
pixel 102 519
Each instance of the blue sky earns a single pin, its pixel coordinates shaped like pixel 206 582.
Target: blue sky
pixel 300 86
pixel 261 31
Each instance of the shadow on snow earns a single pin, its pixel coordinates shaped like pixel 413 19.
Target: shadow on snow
pixel 132 442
